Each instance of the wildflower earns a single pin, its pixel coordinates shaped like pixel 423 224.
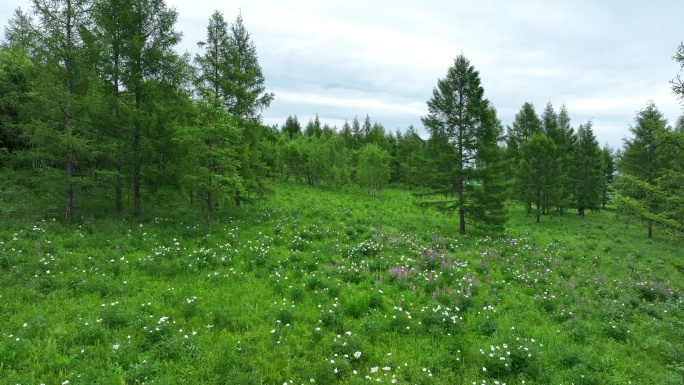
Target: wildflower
pixel 115 346
pixel 357 355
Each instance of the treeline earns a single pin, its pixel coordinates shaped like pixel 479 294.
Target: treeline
pixel 97 104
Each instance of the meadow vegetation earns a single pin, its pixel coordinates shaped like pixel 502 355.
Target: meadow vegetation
pixel 316 285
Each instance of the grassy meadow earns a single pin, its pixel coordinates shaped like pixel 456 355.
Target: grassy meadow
pixel 332 286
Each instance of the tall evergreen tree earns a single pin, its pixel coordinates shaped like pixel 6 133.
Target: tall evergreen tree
pixel 526 124
pixel 608 173
pixel 551 128
pixel 61 49
pixel 247 97
pixel 356 133
pixel 216 164
pixel 538 171
pixel 215 63
pixel 642 165
pixel 456 114
pixel 587 175
pixel 490 163
pixel 313 127
pixel 150 64
pixel 110 41
pixel 411 158
pixel 549 120
pixel 292 127
pixel 565 139
pixel 20 33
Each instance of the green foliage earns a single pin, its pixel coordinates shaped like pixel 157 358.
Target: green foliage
pixel 677 82
pixel 373 168
pixel 463 128
pixel 650 183
pixel 539 171
pixel 526 124
pixel 211 163
pixel 586 174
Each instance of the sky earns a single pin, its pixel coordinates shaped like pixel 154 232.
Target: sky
pixel 340 59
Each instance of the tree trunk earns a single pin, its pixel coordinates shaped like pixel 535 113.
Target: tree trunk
pixel 461 210
pixel 136 174
pixel 118 200
pixel 207 219
pixel 69 194
pixel 137 162
pixel 538 205
pixel 69 115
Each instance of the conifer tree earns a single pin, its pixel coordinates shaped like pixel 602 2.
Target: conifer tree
pixel 643 165
pixel 587 176
pixel 60 47
pixel 292 127
pixel 246 98
pixel 608 174
pixel 458 123
pixel 564 138
pixel 538 171
pixel 526 124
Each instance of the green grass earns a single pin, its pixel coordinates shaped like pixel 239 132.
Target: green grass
pixel 337 287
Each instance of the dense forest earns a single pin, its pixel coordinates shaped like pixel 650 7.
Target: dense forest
pixel 97 105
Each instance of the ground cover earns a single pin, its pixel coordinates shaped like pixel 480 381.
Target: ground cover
pixel 331 286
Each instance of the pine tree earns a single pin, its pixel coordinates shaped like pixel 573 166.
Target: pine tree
pixel 247 95
pixel 587 175
pixel 493 190
pixel 411 158
pixel 61 48
pixel 215 63
pixel 608 174
pixel 526 124
pixel 216 134
pixel 292 127
pixel 538 171
pixel 457 121
pixel 137 38
pixel 565 139
pixel 356 133
pixel 642 165
pixel 20 33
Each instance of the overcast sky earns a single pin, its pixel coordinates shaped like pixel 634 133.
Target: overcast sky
pixel 604 59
